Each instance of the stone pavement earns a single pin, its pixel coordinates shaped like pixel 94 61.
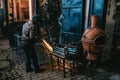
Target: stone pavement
pixel 12 67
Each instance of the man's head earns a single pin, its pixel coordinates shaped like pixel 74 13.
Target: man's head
pixel 35 19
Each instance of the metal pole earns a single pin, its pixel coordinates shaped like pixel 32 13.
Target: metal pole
pixel 36 6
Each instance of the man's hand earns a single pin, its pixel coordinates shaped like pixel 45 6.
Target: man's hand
pixel 31 31
pixel 31 27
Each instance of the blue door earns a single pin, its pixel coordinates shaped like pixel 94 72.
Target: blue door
pixel 99 8
pixel 72 21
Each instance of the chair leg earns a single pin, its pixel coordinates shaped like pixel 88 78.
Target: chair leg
pixel 58 64
pixel 64 68
pixel 51 61
pixel 72 66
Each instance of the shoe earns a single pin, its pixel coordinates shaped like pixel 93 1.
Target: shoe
pixel 29 69
pixel 38 70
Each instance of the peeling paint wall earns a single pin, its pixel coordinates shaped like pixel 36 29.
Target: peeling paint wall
pixel 109 29
pixel 110 12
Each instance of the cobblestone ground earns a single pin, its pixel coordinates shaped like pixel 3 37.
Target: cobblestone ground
pixel 13 61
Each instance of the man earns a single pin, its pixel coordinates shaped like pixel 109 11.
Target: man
pixel 28 35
